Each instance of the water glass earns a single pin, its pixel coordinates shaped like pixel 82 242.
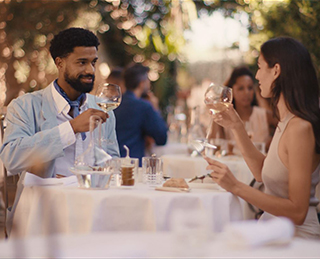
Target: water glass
pixel 152 170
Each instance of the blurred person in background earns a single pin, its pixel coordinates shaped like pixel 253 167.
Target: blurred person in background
pixel 116 77
pixel 257 120
pixel 290 171
pixel 138 118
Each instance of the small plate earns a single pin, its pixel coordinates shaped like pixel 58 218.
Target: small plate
pixel 211 186
pixel 172 189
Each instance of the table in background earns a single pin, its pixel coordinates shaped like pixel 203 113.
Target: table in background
pixel 44 210
pixel 185 166
pixel 170 148
pixel 146 245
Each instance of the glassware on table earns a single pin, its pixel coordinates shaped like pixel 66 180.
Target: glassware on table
pixel 196 131
pixel 94 167
pixel 97 179
pixel 108 97
pixel 152 170
pixel 129 169
pixel 94 156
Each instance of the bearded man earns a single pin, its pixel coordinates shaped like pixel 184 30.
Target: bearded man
pixel 48 129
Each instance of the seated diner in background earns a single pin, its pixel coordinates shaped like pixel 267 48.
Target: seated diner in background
pixel 257 120
pixel 290 171
pixel 138 118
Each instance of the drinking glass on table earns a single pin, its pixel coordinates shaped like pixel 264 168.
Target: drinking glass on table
pixel 108 97
pixel 217 98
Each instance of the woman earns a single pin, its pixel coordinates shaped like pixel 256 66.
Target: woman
pixel 258 120
pixel 290 171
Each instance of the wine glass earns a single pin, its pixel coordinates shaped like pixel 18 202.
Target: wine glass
pixel 217 98
pixel 108 97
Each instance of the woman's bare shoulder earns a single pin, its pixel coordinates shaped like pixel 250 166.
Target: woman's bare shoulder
pixel 299 128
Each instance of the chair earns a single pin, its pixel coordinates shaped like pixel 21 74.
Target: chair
pixel 9 185
pixel 257 212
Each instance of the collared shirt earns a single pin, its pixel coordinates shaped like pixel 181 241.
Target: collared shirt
pixel 72 143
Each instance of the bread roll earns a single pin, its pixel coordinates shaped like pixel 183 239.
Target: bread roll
pixel 176 182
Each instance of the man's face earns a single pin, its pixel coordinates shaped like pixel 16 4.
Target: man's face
pixel 79 68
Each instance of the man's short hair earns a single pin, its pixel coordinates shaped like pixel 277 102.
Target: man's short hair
pixel 65 41
pixel 134 74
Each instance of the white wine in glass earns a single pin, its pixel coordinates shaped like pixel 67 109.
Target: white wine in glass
pixel 108 97
pixel 108 106
pixel 217 98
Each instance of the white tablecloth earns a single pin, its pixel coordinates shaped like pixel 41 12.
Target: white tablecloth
pixel 43 210
pixel 146 245
pixel 170 148
pixel 185 166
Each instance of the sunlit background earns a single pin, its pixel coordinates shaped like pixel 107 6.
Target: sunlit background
pixel 186 43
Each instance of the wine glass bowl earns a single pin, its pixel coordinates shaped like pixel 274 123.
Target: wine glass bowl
pixel 217 98
pixel 108 96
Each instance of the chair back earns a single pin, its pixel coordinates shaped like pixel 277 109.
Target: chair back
pixel 9 183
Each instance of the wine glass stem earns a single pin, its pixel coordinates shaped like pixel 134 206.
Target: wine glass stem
pixel 209 130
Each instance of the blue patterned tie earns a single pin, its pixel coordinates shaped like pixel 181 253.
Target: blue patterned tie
pixel 74 104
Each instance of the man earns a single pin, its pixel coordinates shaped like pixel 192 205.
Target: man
pixel 116 77
pixel 47 129
pixel 138 118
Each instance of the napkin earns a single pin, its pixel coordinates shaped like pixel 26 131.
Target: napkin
pixel 34 180
pixel 253 233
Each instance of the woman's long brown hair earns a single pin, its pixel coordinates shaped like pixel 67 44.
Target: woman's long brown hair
pixel 297 81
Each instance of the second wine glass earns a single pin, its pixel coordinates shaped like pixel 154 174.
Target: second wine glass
pixel 217 98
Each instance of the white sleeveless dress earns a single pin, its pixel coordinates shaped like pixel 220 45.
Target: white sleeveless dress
pixel 275 179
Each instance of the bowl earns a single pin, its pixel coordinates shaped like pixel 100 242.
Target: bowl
pixel 89 179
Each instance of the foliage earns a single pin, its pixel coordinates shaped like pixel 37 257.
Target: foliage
pixel 294 18
pixel 148 31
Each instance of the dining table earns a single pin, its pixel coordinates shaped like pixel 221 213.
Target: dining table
pixel 149 245
pixel 56 206
pixel 179 162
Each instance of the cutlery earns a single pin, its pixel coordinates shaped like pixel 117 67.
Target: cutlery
pixel 201 177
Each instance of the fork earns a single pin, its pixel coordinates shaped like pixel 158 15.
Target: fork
pixel 201 177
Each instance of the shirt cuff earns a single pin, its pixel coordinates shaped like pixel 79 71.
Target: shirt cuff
pixel 66 134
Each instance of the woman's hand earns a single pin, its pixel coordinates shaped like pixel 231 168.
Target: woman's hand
pixel 228 118
pixel 222 175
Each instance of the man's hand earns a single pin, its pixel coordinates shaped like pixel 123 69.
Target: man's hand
pixel 82 122
pixel 153 100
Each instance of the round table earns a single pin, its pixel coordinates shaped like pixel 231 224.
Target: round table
pixel 44 210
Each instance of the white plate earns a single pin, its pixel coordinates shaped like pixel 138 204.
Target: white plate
pixel 212 186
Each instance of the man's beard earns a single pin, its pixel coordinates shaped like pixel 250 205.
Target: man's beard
pixel 76 83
